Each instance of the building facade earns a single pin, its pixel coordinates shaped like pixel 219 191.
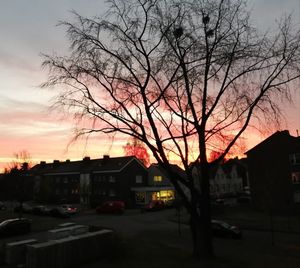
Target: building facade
pixel 89 182
pixel 274 172
pixel 158 187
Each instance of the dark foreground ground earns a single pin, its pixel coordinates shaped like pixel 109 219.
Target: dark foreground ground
pixel 169 250
pixel 158 240
pixel 267 242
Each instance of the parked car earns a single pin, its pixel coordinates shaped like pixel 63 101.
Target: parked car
pixel 172 203
pixel 223 229
pixel 116 207
pixel 69 209
pixel 26 208
pixel 154 205
pixel 41 210
pixel 15 227
pixel 64 211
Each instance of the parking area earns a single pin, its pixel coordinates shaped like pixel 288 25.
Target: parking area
pixel 154 238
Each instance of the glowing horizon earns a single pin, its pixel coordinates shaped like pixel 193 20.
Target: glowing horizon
pixel 28 29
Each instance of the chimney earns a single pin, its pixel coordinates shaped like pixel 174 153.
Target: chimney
pixel 68 161
pixel 43 163
pixel 86 158
pixel 55 162
pixel 105 158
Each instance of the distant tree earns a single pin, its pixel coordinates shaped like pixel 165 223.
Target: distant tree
pixel 214 156
pixel 20 158
pixel 136 148
pixel 17 182
pixel 177 76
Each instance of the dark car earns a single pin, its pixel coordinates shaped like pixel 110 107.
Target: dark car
pixel 15 227
pixel 41 210
pixel 115 207
pixel 63 211
pixel 223 229
pixel 26 208
pixel 154 205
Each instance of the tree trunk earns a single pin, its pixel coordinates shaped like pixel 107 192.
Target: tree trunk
pixel 200 221
pixel 201 236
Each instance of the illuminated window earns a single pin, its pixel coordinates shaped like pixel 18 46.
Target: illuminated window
pixel 140 197
pixel 157 178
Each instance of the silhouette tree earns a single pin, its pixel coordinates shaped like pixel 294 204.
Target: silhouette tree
pixel 136 148
pixel 17 182
pixel 179 76
pixel 20 158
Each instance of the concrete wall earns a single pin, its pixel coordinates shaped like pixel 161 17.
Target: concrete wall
pixel 67 231
pixel 70 251
pixel 15 252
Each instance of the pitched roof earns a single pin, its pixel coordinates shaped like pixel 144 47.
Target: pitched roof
pixel 174 168
pixel 106 164
pixel 277 136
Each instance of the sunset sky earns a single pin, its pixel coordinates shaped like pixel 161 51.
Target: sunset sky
pixel 28 28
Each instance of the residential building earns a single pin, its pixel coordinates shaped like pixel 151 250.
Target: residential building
pixel 158 186
pixel 229 178
pixel 274 172
pixel 236 175
pixel 88 181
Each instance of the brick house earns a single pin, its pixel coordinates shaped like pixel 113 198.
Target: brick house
pixel 274 172
pixel 88 181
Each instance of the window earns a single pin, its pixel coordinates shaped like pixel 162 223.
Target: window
pixel 102 192
pixel 140 197
pixel 112 192
pixel 295 177
pixel 297 197
pixel 99 178
pixel 112 179
pixel 157 178
pixel 65 180
pixel 295 159
pixel 138 179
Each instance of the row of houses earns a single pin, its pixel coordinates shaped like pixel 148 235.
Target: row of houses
pixel 92 181
pixel 271 170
